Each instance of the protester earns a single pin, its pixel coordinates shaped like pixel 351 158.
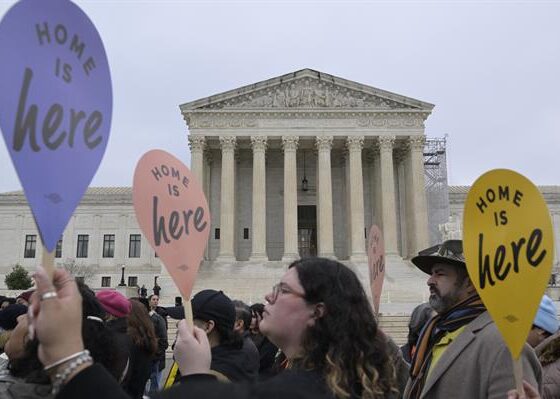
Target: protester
pixel 318 315
pixel 160 328
pixel 460 353
pixel 117 308
pixel 267 350
pixel 418 319
pixel 140 329
pixel 243 316
pixel 545 323
pixel 8 321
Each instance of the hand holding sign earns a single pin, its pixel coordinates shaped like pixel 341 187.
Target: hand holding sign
pixel 55 106
pixel 376 263
pixel 173 214
pixel 508 244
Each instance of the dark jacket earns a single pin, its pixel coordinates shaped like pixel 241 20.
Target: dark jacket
pixel 123 346
pixel 89 383
pixel 232 363
pixel 139 372
pixel 548 353
pixel 161 334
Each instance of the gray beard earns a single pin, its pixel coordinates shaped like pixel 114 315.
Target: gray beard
pixel 442 304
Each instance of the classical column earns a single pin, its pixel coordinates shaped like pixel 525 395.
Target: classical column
pixel 418 216
pixel 289 144
pixel 258 237
pixel 197 145
pixel 227 200
pixel 324 197
pixel 356 186
pixel 401 156
pixel 388 194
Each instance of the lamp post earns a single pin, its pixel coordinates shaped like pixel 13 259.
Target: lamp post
pixel 122 283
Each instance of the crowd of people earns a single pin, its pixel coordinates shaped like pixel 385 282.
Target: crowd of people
pixel 316 336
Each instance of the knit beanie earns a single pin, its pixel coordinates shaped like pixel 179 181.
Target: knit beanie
pixel 546 316
pixel 114 303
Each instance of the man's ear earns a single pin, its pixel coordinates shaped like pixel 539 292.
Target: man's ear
pixel 210 325
pixel 319 310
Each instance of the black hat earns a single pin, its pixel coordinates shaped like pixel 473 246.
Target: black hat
pixel 9 315
pixel 214 305
pixel 450 252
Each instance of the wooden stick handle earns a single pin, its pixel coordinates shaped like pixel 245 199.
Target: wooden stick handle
pixel 47 261
pixel 518 375
pixel 188 313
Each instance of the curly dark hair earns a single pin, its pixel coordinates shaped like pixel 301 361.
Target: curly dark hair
pixel 344 344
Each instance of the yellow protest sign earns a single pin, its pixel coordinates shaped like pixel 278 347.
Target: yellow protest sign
pixel 508 246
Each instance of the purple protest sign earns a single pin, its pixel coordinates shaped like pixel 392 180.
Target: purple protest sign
pixel 55 106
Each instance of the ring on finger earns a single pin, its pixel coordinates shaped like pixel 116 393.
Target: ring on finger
pixel 48 295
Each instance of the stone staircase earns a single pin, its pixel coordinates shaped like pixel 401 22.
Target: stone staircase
pixel 395 326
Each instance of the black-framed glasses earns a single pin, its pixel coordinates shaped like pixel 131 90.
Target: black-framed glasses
pixel 284 289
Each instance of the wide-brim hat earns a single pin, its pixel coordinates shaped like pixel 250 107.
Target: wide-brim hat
pixel 449 252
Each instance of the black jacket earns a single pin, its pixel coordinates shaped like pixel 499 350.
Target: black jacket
pixel 89 383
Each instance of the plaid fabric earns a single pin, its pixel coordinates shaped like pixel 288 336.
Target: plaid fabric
pixel 459 315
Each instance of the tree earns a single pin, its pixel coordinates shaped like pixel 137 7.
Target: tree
pixel 78 270
pixel 18 279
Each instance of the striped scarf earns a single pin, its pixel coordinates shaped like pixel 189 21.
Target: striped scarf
pixel 458 316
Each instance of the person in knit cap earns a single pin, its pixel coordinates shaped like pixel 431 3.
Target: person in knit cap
pixel 118 308
pixel 545 323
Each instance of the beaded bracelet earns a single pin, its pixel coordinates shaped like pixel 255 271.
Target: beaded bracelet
pixel 64 360
pixel 60 377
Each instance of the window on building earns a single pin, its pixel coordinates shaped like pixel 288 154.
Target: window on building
pixel 216 234
pixel 246 233
pixel 82 251
pixel 80 279
pixel 109 246
pixel 30 246
pixel 132 281
pixel 134 246
pixel 105 281
pixel 58 250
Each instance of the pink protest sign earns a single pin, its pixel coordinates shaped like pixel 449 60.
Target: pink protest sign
pixel 376 263
pixel 173 214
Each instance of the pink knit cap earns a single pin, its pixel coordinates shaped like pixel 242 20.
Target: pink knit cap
pixel 114 303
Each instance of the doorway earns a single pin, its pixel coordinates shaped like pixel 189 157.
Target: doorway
pixel 307 230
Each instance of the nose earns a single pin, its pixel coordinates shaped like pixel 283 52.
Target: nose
pixel 268 298
pixel 430 280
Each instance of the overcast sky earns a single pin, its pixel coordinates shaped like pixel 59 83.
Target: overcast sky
pixel 491 69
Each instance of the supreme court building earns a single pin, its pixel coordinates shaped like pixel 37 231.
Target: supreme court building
pixel 305 163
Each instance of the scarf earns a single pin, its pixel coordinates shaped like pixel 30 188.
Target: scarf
pixel 458 316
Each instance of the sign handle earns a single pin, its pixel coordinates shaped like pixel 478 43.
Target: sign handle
pixel 518 375
pixel 188 313
pixel 47 261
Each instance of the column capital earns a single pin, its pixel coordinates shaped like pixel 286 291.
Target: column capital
pixel 290 143
pixel 197 143
pixel 386 143
pixel 354 143
pixel 324 143
pixel 259 143
pixel 416 143
pixel 228 143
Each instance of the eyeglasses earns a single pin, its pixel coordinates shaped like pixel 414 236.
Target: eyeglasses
pixel 282 288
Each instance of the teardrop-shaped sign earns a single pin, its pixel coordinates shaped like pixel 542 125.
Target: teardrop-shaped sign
pixel 55 106
pixel 508 243
pixel 173 214
pixel 376 263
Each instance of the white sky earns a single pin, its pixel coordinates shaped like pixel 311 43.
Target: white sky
pixel 490 67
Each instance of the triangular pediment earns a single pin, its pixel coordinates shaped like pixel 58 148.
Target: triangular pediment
pixel 306 89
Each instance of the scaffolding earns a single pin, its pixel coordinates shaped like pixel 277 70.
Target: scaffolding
pixel 437 190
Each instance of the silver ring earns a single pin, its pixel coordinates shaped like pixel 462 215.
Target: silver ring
pixel 49 295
